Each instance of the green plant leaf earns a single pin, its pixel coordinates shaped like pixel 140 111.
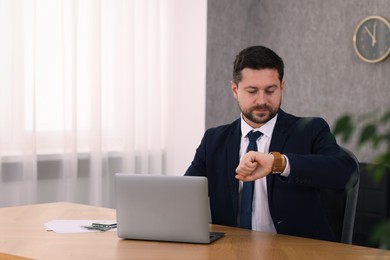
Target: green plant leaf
pixel 386 138
pixel 376 172
pixel 368 133
pixel 374 129
pixel 379 166
pixel 344 127
pixel 381 235
pixel 386 117
pixel 383 158
pixel 376 141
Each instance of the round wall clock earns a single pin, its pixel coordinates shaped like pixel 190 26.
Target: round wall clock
pixel 371 39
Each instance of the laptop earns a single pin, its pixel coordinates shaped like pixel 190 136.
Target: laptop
pixel 163 208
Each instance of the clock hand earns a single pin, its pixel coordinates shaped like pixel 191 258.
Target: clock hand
pixel 372 36
pixel 374 39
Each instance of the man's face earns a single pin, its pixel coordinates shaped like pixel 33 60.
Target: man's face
pixel 259 95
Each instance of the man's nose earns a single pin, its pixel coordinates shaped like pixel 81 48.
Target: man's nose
pixel 260 99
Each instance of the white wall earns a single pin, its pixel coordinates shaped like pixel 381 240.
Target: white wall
pixel 186 82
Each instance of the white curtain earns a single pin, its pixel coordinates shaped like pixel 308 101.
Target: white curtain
pixel 86 91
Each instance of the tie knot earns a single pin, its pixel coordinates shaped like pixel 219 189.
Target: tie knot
pixel 254 135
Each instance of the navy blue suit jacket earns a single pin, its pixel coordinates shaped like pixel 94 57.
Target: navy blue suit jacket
pixel 316 161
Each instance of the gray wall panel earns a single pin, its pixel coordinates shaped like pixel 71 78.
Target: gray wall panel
pixel 324 77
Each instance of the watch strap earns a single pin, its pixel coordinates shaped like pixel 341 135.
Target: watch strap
pixel 278 163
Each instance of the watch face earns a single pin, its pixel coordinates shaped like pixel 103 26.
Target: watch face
pixel 372 39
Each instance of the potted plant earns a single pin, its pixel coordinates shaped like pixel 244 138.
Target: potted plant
pixel 372 129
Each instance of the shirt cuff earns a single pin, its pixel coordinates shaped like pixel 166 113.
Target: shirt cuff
pixel 286 171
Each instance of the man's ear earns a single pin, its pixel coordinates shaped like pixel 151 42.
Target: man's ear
pixel 234 88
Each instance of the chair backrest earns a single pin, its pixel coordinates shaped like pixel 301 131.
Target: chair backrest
pixel 340 206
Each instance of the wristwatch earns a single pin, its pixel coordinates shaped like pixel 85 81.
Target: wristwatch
pixel 278 163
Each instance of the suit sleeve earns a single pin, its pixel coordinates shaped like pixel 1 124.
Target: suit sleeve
pixel 198 164
pixel 326 165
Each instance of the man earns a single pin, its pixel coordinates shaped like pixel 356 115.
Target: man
pixel 284 197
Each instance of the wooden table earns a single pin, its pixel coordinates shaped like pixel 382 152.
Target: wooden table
pixel 23 234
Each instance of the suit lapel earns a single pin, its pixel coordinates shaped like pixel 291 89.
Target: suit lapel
pixel 279 137
pixel 233 158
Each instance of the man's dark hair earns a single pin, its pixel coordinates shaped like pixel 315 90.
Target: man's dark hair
pixel 257 57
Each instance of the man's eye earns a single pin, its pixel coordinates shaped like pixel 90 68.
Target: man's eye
pixel 270 90
pixel 251 91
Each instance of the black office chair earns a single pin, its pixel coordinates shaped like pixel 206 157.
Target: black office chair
pixel 340 206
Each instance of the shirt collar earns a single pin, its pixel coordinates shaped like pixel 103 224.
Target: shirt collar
pixel 267 129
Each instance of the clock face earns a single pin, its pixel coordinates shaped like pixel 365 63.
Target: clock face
pixel 372 39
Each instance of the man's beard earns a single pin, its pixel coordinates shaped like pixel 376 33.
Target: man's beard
pixel 250 114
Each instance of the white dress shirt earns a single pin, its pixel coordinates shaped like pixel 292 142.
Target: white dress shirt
pixel 261 217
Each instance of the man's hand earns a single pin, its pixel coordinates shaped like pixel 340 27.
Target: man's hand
pixel 254 165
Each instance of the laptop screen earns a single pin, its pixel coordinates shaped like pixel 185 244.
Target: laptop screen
pixel 162 208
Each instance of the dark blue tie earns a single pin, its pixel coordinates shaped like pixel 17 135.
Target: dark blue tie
pixel 247 189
